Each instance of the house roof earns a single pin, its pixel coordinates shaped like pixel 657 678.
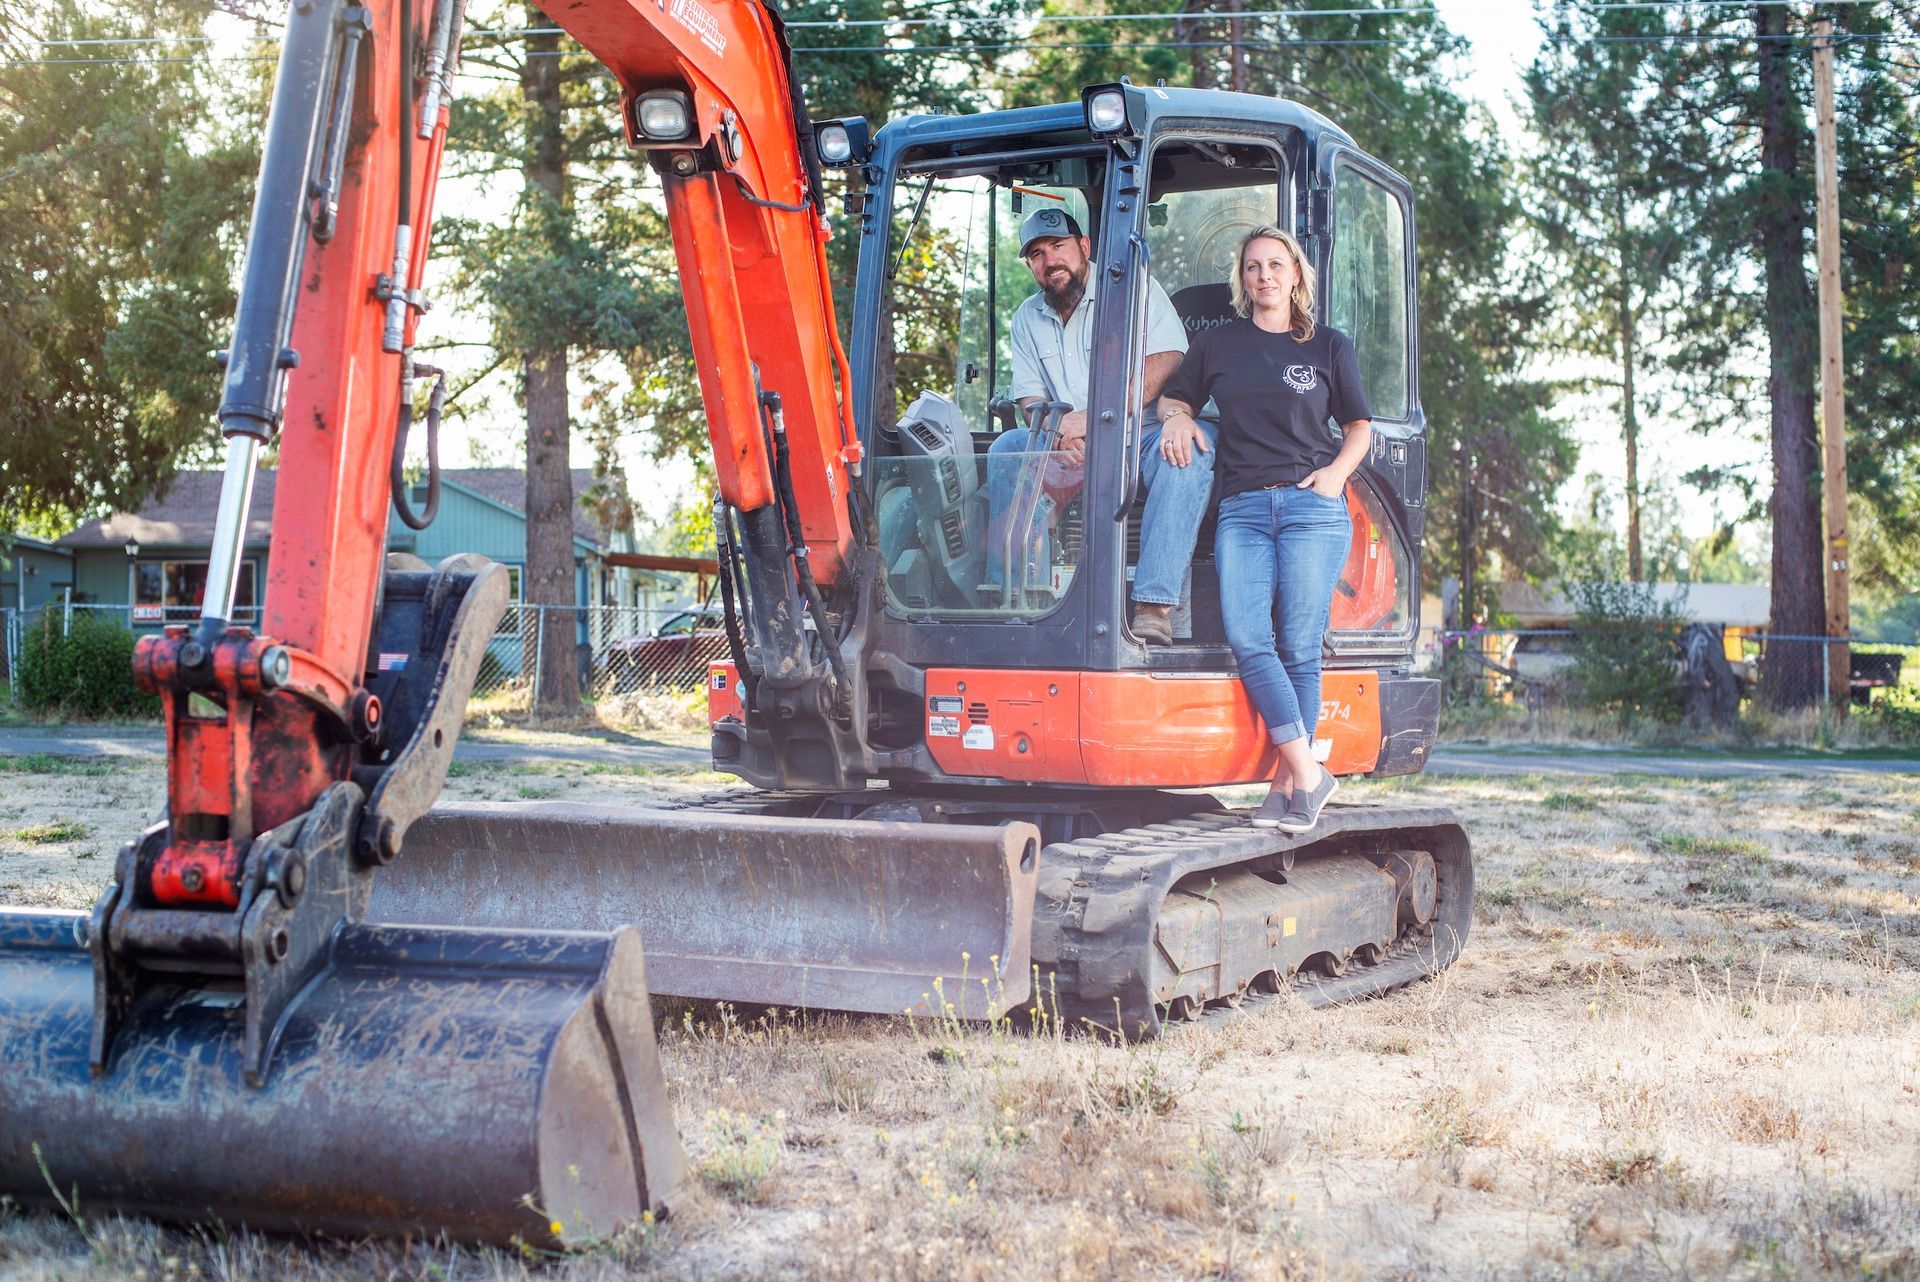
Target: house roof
pixel 184 515
pixel 507 486
pixel 1740 605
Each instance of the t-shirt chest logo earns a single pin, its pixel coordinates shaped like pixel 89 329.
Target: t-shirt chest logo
pixel 1299 377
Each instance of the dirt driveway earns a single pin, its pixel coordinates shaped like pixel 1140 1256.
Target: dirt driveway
pixel 1684 1040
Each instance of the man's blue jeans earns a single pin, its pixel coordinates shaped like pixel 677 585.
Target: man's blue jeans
pixel 1176 502
pixel 1279 554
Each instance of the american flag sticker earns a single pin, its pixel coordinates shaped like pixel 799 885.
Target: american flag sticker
pixel 394 662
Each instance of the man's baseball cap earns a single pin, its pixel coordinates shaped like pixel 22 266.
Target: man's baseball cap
pixel 1046 223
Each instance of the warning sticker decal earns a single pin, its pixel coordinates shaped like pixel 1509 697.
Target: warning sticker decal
pixel 943 727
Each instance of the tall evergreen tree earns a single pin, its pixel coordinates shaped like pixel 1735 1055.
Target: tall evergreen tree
pixel 580 268
pixel 1605 206
pixel 1731 110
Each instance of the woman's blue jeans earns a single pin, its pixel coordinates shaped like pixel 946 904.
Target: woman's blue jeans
pixel 1279 554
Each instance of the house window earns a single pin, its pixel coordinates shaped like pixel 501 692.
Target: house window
pixel 172 591
pixel 513 585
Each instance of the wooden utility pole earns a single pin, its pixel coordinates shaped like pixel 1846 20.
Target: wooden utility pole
pixel 1833 423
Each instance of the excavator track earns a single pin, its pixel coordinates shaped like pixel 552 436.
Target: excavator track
pixel 1143 926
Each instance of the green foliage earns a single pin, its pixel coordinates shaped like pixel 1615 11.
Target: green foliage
pixel 85 670
pixel 1625 651
pixel 1605 207
pixel 120 223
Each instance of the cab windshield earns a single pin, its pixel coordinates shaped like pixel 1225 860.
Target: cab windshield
pixel 974 522
pixel 979 516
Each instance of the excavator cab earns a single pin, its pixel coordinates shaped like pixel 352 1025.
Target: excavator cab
pixel 999 559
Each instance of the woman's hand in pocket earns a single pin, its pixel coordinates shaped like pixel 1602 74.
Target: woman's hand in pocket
pixel 1327 482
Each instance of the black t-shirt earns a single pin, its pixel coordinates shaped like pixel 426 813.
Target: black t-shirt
pixel 1276 395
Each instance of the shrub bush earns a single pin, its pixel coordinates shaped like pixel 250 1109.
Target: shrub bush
pixel 1626 651
pixel 84 671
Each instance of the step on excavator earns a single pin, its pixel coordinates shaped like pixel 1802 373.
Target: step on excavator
pixel 311 999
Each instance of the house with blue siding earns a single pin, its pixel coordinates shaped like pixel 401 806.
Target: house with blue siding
pixel 33 573
pixel 154 561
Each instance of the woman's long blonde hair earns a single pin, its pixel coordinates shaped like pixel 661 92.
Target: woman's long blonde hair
pixel 1302 288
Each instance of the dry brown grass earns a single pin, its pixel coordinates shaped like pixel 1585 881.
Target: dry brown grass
pixel 1683 1041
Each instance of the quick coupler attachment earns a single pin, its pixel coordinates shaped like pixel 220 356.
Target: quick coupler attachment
pixel 490 1086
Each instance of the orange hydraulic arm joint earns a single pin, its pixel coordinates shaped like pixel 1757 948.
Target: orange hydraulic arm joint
pixel 360 674
pixel 710 94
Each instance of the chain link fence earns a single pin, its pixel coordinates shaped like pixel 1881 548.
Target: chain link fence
pixel 618 650
pixel 1536 666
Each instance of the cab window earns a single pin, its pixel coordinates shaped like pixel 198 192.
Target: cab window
pixel 1367 295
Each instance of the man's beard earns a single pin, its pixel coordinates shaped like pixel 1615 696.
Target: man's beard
pixel 1066 295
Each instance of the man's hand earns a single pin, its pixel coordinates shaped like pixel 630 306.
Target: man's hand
pixel 1073 435
pixel 1180 438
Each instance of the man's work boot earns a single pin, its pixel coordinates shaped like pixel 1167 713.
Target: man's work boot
pixel 1153 623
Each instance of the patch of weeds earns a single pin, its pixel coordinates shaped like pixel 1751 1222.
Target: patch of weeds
pixel 629 771
pixel 1690 846
pixel 461 769
pixel 742 1153
pixel 48 833
pixel 1498 896
pixel 1447 1122
pixel 535 791
pixel 1640 1166
pixel 1568 801
pixel 847 1088
pixel 1233 1171
pixel 1144 1089
pixel 46 763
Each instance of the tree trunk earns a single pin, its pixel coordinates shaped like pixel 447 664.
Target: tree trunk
pixel 549 575
pixel 1629 420
pixel 1793 678
pixel 1236 49
pixel 1469 554
pixel 1189 29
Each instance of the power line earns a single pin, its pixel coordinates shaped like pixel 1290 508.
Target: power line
pixel 1891 39
pixel 963 21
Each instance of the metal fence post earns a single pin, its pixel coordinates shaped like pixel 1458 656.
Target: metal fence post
pixel 1826 675
pixel 539 648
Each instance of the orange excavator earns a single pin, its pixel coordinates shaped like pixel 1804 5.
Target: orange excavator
pixel 312 1000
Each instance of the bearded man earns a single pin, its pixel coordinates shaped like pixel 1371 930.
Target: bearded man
pixel 1052 337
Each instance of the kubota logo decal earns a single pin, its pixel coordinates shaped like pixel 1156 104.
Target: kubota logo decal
pixel 698 19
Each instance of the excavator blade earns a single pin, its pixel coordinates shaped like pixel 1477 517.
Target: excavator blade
pixel 860 915
pixel 489 1086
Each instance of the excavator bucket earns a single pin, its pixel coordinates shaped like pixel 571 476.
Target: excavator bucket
pixel 489 1086
pixel 859 915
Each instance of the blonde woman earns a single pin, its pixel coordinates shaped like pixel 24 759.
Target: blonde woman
pixel 1280 381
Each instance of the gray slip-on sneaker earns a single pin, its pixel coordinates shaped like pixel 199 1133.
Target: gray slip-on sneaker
pixel 1303 811
pixel 1277 802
